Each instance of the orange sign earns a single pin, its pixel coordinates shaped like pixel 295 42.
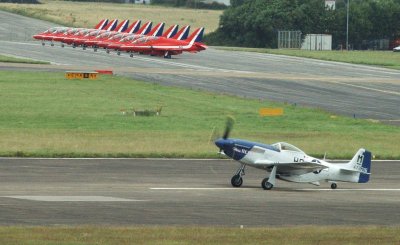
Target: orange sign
pixel 80 75
pixel 271 112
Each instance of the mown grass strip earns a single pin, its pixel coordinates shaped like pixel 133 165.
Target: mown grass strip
pixel 88 14
pixel 322 235
pixel 387 59
pixel 9 59
pixel 44 114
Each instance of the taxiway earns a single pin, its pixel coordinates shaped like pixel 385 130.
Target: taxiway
pixel 353 90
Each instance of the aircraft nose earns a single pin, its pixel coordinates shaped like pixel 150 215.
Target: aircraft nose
pixel 220 143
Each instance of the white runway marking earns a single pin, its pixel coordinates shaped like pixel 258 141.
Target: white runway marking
pixel 370 189
pixel 74 198
pixel 276 189
pixel 195 188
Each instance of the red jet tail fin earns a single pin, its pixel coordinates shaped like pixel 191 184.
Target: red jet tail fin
pixel 101 24
pixel 171 31
pixel 182 34
pixel 196 36
pixel 111 25
pixel 144 29
pixel 157 30
pixel 122 26
pixel 134 27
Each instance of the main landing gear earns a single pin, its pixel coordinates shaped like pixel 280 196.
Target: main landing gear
pixel 268 183
pixel 333 186
pixel 237 179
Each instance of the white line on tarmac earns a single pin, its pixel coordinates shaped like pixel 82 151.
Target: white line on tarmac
pixel 195 188
pixel 232 188
pixel 369 189
pixel 74 198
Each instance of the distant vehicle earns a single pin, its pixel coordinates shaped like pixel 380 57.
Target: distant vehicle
pixel 396 49
pixel 286 162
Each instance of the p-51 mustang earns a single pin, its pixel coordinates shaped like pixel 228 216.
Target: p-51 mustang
pixel 287 162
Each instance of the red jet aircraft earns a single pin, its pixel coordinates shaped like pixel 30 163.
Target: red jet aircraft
pixel 157 30
pixel 166 46
pixel 118 40
pixel 49 34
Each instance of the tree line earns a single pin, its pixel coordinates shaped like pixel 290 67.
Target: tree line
pixel 255 23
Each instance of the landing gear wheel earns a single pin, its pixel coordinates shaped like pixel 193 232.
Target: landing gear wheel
pixel 118 53
pixel 131 55
pixel 266 185
pixel 236 181
pixel 62 45
pixel 107 51
pixel 42 44
pixel 84 48
pixel 333 186
pixel 95 49
pixel 52 44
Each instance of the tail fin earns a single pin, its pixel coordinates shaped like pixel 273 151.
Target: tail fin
pixel 157 30
pixel 182 34
pixel 101 24
pixel 361 163
pixel 144 29
pixel 171 31
pixel 196 36
pixel 122 26
pixel 111 25
pixel 134 27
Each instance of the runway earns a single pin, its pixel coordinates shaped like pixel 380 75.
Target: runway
pixel 352 90
pixel 183 192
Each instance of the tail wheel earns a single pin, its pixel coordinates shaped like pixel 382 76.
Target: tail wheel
pixel 266 185
pixel 236 181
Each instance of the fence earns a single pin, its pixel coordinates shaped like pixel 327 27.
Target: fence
pixel 289 39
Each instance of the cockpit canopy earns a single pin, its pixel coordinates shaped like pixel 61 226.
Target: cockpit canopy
pixel 145 39
pixel 283 146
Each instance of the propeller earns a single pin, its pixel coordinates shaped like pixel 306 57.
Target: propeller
pixel 228 127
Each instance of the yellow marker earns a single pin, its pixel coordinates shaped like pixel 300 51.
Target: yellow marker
pixel 81 75
pixel 271 112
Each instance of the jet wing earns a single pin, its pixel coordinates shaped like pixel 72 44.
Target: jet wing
pixel 294 168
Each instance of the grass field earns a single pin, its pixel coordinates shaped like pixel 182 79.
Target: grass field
pixel 43 114
pixel 200 235
pixel 386 59
pixel 8 59
pixel 80 14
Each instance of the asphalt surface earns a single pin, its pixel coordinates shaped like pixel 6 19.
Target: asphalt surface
pixel 184 192
pixel 353 90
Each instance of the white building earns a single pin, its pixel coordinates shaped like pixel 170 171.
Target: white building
pixel 317 42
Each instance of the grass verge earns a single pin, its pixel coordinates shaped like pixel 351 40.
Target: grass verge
pixel 199 235
pixel 387 59
pixel 46 115
pixel 88 14
pixel 8 59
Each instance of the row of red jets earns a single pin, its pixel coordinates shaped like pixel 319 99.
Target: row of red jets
pixel 128 38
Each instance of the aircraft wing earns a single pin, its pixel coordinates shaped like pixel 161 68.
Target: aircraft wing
pixel 294 168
